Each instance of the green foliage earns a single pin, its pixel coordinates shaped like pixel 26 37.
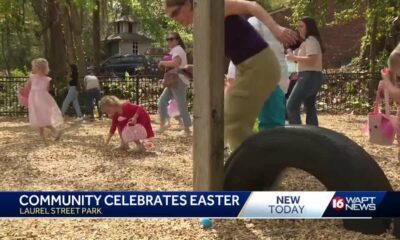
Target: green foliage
pixel 381 17
pixel 155 23
pixel 18 73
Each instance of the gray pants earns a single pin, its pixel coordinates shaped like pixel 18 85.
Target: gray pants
pixel 305 91
pixel 72 96
pixel 179 94
pixel 92 96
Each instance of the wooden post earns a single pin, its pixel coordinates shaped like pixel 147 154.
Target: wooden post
pixel 208 143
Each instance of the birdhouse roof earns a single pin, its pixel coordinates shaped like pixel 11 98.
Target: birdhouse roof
pixel 125 18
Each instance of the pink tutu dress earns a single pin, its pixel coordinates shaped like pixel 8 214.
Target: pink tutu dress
pixel 43 110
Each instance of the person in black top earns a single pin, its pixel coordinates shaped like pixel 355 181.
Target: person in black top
pixel 72 96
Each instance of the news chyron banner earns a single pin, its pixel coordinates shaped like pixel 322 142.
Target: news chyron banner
pixel 267 205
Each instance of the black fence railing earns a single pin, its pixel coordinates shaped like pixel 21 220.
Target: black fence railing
pixel 341 92
pixel 347 92
pixel 143 90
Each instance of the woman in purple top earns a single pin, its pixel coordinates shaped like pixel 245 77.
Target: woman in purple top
pixel 250 53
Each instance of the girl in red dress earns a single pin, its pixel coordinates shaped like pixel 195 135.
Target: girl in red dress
pixel 132 121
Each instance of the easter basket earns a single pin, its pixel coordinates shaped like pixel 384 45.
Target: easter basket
pixel 382 127
pixel 23 96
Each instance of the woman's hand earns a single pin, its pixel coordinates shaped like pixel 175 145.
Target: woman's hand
pixel 290 56
pixel 161 64
pixel 285 35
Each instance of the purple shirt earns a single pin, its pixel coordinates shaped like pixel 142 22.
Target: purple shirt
pixel 242 41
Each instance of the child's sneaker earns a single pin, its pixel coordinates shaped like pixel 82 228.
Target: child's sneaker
pixel 162 129
pixel 185 133
pixel 78 119
pixel 122 147
pixel 58 135
pixel 140 149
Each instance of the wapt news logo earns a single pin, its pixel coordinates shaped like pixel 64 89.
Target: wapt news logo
pixel 355 204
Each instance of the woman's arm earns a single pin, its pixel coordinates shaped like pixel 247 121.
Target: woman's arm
pixel 309 60
pixel 243 7
pixel 174 63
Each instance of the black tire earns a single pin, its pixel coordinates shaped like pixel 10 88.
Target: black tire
pixel 336 161
pixel 396 228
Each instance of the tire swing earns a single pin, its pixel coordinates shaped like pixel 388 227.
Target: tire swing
pixel 336 161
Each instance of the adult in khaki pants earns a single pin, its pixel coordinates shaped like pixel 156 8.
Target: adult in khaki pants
pixel 252 56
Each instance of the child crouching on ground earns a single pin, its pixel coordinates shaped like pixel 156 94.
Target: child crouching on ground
pixel 132 121
pixel 389 77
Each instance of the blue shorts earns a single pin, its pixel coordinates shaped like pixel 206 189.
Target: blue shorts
pixel 273 111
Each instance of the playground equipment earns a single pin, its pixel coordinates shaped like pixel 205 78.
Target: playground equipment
pixel 335 160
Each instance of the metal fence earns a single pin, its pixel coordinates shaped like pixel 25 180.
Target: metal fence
pixel 341 92
pixel 142 90
pixel 344 92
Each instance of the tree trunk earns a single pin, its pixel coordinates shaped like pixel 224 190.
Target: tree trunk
pixel 373 45
pixel 71 56
pixel 96 36
pixel 57 53
pixel 40 9
pixel 76 30
pixel 4 54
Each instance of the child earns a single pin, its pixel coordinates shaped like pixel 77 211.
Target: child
pixel 389 78
pixel 132 121
pixel 43 110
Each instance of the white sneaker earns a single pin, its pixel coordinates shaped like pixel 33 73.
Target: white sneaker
pixel 162 129
pixel 181 126
pixel 78 119
pixel 185 133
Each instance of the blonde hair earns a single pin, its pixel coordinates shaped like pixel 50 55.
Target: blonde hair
pixel 109 101
pixel 394 61
pixel 42 65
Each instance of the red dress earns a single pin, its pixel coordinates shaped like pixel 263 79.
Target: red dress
pixel 120 121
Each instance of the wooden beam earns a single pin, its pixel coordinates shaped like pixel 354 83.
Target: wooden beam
pixel 209 52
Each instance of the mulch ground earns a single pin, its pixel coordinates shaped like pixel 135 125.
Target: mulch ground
pixel 81 161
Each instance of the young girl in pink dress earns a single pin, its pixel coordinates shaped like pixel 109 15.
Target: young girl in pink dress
pixel 43 110
pixel 132 121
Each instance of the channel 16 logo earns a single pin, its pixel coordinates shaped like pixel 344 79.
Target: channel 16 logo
pixel 353 203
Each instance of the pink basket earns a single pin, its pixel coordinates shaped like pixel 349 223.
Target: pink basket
pixel 167 57
pixel 133 133
pixel 173 110
pixel 381 126
pixel 23 96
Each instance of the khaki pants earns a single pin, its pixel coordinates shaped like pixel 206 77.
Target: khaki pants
pixel 256 78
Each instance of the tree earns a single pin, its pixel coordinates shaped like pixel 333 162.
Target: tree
pixel 57 53
pixel 381 29
pixel 96 35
